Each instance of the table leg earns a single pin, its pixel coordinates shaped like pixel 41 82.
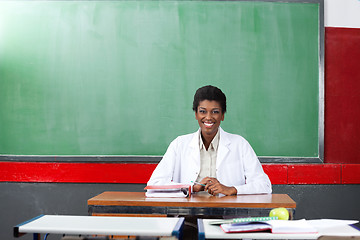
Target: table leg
pixel 36 236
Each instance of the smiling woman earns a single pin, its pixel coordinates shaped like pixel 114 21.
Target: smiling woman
pixel 221 162
pixel 209 106
pixel 209 115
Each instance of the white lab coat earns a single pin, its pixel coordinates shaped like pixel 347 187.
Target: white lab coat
pixel 236 165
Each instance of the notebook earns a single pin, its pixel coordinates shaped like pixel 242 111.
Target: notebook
pixel 242 220
pixel 274 226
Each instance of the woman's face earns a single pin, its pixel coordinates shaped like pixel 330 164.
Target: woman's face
pixel 209 115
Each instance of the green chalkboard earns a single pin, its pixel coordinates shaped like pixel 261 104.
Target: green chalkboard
pixel 108 78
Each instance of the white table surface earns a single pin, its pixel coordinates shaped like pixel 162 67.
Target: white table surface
pixel 95 225
pixel 215 232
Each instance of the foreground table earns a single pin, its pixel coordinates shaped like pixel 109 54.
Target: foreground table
pixel 207 231
pixel 198 205
pixel 90 225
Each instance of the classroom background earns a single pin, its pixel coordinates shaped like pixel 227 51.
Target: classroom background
pixel 328 190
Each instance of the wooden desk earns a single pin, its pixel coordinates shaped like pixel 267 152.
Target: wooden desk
pixel 199 205
pixel 93 225
pixel 207 231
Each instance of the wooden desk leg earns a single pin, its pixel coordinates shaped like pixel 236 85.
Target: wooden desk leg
pixel 36 236
pixel 291 213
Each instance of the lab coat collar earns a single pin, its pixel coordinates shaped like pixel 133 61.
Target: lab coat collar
pixel 223 148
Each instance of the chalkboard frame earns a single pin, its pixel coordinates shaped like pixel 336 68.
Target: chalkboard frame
pixel 155 159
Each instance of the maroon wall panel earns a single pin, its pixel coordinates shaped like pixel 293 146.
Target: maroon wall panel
pixel 342 95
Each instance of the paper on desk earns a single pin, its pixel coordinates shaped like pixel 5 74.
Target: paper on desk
pixel 329 223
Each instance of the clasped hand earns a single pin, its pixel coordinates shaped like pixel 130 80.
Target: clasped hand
pixel 213 187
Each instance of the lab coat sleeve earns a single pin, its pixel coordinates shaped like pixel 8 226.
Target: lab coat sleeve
pixel 256 180
pixel 164 171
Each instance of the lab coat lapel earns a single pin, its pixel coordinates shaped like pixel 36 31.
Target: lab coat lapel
pixel 195 151
pixel 223 149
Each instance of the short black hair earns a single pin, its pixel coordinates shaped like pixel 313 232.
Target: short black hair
pixel 210 93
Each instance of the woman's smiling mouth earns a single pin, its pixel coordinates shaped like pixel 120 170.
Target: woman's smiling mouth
pixel 208 124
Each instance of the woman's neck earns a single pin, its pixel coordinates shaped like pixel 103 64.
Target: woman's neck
pixel 207 139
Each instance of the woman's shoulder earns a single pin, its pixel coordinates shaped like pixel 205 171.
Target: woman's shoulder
pixel 186 137
pixel 233 138
pixel 183 141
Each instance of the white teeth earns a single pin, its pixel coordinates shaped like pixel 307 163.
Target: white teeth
pixel 209 124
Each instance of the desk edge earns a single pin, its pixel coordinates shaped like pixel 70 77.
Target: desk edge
pixel 16 228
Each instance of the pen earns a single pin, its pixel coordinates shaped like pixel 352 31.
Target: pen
pixel 198 183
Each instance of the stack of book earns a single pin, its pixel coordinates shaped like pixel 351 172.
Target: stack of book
pixel 171 190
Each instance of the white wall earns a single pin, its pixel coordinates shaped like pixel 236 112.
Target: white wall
pixel 342 13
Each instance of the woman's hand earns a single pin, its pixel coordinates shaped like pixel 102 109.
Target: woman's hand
pixel 213 186
pixel 198 187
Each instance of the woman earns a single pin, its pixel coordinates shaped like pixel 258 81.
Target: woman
pixel 211 159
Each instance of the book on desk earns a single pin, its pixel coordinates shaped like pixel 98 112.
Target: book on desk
pixel 170 190
pixel 328 227
pixel 271 224
pixel 274 226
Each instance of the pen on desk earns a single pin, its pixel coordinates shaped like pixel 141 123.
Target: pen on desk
pixel 198 183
